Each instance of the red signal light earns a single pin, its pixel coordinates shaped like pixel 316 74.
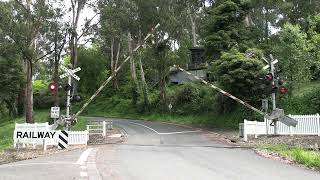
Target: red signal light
pixel 283 90
pixel 269 77
pixel 53 86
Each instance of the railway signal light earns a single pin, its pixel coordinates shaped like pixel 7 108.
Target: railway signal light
pixel 67 87
pixel 53 87
pixel 283 90
pixel 269 77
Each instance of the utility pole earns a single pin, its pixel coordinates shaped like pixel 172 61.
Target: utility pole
pixel 273 95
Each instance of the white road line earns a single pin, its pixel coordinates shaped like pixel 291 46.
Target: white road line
pixel 181 132
pixel 83 174
pixel 83 167
pixel 168 133
pixel 83 158
pixel 145 127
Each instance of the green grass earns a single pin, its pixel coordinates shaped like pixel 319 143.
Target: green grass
pixel 305 88
pixel 299 155
pixel 81 125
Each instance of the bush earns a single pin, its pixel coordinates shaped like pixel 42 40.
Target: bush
pixel 191 98
pixel 240 74
pixel 307 104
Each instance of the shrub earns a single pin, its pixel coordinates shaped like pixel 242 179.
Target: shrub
pixel 307 104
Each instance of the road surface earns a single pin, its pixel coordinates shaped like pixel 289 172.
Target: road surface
pixel 157 151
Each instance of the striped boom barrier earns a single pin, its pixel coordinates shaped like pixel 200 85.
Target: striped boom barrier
pixel 110 78
pixel 63 140
pixel 222 91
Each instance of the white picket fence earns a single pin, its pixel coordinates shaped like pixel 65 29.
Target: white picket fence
pixel 99 128
pixel 74 137
pixel 34 126
pixel 307 125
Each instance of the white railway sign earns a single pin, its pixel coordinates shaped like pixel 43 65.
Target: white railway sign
pixel 70 72
pixel 55 112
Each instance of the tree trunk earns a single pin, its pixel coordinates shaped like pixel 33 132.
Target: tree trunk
pixel 29 93
pixel 56 79
pixel 114 63
pixel 134 80
pixel 193 27
pixel 132 63
pixel 144 84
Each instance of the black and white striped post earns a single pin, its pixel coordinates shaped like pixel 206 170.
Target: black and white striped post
pixel 63 140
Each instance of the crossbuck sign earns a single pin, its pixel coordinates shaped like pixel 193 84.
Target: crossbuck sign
pixel 70 72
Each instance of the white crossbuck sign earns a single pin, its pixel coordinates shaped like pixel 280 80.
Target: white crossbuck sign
pixel 70 72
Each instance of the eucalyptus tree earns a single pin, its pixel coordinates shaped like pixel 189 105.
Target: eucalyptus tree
pixel 24 22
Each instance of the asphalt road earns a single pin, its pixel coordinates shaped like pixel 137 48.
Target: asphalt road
pixel 157 151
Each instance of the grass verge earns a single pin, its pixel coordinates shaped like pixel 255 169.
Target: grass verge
pixel 308 158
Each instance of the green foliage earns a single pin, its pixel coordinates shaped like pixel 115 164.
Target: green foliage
pixel 314 46
pixel 192 98
pixel 40 85
pixel 11 81
pixel 292 52
pixel 224 29
pixel 93 69
pixel 240 75
pixel 307 103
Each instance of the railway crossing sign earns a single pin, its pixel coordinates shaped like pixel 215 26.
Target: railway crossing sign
pixel 70 72
pixel 55 112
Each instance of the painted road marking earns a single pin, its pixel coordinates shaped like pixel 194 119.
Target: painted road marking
pixel 168 133
pixel 145 127
pixel 83 158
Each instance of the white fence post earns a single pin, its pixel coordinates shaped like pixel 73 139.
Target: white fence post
pixel 318 120
pixel 44 145
pixel 245 137
pixel 255 129
pixel 104 129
